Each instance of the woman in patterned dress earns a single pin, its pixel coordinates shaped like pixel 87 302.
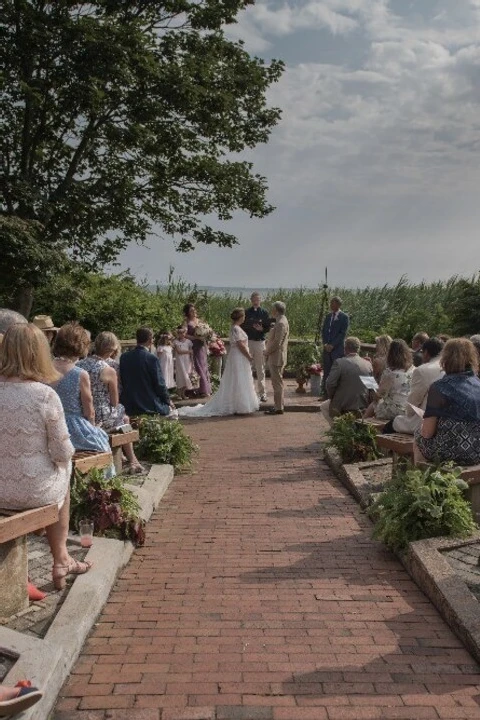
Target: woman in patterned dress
pixel 109 412
pixel 451 426
pixel 391 396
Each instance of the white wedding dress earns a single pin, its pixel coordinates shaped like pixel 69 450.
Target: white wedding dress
pixel 236 394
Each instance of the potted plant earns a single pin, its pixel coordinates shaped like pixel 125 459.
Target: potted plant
pixel 315 372
pixel 300 358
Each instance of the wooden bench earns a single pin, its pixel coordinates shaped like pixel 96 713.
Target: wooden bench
pixel 84 461
pixel 117 441
pixel 399 444
pixel 14 528
pixel 376 424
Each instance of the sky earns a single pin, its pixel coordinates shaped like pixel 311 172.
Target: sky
pixel 375 166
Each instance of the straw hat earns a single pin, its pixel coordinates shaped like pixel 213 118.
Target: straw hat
pixel 44 322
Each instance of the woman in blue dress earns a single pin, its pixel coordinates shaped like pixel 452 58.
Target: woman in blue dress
pixel 71 344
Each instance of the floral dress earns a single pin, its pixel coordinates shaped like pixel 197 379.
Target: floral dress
pixel 107 415
pixel 393 389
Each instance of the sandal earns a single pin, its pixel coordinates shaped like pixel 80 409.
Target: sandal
pixel 134 469
pixel 74 567
pixel 27 696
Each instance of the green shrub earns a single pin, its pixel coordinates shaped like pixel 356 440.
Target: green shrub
pixel 165 441
pixel 113 509
pixel 418 504
pixel 300 357
pixel 354 441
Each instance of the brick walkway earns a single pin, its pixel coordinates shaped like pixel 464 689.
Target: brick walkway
pixel 260 596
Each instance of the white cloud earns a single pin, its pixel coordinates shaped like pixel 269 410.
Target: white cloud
pixel 377 158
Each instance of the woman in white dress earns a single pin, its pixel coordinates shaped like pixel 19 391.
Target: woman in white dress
pixel 236 394
pixel 183 349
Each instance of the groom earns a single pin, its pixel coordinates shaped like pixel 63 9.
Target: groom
pixel 276 355
pixel 334 331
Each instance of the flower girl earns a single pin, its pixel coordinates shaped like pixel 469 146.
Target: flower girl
pixel 165 355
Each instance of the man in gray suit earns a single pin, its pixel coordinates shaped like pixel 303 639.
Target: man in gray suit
pixel 345 390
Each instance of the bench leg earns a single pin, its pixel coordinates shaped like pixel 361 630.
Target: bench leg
pixel 474 496
pixel 117 459
pixel 13 576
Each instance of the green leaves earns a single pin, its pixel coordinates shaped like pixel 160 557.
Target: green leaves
pixel 354 441
pixel 418 504
pixel 122 116
pixel 165 441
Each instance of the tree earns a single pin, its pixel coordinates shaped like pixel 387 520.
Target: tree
pixel 119 116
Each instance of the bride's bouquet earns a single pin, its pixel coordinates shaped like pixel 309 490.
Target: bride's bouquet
pixel 204 332
pixel 216 347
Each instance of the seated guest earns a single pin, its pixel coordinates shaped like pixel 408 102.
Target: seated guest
pixel 72 344
pixel 417 344
pixel 45 323
pixel 7 318
pixel 423 376
pixel 35 447
pixel 451 425
pixel 475 339
pixel 346 391
pixel 109 412
pixel 379 362
pixel 391 396
pixel 144 391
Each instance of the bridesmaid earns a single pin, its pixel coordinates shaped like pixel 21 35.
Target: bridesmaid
pixel 200 358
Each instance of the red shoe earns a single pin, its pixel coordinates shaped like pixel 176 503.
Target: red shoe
pixel 34 594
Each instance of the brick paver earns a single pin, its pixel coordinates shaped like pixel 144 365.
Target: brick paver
pixel 260 595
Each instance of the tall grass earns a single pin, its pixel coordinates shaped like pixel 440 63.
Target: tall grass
pixel 400 310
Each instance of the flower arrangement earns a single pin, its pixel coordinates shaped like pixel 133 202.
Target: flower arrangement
pixel 217 347
pixel 314 369
pixel 204 332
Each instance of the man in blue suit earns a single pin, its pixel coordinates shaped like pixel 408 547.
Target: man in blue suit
pixel 143 387
pixel 334 332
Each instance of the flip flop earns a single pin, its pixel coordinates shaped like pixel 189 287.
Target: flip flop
pixel 27 697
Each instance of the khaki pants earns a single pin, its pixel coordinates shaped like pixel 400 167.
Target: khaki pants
pixel 276 376
pixel 257 348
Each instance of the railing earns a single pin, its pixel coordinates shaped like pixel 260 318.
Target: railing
pixel 364 347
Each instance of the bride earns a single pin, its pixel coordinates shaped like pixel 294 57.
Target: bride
pixel 236 394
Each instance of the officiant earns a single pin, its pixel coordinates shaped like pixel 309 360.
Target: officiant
pixel 257 324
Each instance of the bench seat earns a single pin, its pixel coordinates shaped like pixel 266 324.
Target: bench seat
pixel 84 461
pixel 14 528
pixel 376 424
pixel 399 444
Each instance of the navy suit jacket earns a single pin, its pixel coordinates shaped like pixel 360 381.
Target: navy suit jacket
pixel 334 333
pixel 143 387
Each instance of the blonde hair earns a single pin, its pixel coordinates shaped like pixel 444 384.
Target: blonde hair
pixel 382 345
pixel 107 343
pixel 25 353
pixel 458 356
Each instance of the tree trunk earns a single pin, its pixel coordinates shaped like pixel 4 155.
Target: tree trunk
pixel 23 300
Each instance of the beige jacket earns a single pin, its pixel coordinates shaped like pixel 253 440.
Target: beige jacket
pixel 277 343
